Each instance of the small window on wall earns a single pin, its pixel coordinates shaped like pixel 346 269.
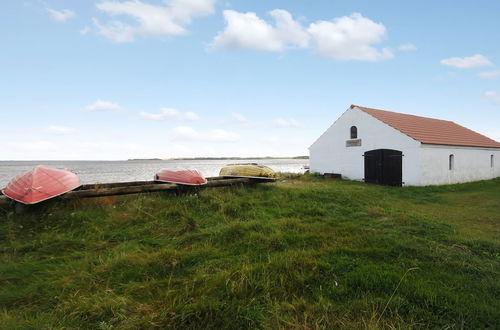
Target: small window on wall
pixel 354 132
pixel 492 161
pixel 451 162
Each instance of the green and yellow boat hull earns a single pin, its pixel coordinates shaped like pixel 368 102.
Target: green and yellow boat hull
pixel 247 170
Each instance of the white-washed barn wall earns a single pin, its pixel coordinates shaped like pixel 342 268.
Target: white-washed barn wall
pixel 470 164
pixel 329 153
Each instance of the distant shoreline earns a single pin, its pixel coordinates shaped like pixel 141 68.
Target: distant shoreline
pixel 218 158
pixel 143 159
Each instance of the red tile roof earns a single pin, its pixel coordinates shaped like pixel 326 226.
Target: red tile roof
pixel 430 130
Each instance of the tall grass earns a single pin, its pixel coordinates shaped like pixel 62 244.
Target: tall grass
pixel 305 253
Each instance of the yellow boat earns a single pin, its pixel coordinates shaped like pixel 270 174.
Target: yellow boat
pixel 247 170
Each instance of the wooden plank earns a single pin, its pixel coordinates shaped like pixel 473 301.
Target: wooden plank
pixel 114 191
pixel 125 188
pixel 113 184
pixel 133 183
pixel 153 187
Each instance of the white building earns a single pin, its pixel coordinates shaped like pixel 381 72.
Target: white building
pixel 392 148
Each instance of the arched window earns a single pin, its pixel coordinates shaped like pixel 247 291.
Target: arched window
pixel 492 161
pixel 451 162
pixel 354 132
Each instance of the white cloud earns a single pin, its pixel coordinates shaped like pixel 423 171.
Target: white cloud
pixel 238 117
pixel 170 114
pixel 85 30
pixel 61 15
pixel 237 120
pixel 116 31
pixel 489 74
pixel 248 31
pixel 151 20
pixel 350 38
pixel 408 47
pixel 100 105
pixel 286 122
pixel 186 133
pixel 473 61
pixel 492 96
pixel 345 38
pixel 60 130
pixel 220 135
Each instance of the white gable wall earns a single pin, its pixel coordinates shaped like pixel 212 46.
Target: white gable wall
pixel 470 164
pixel 329 153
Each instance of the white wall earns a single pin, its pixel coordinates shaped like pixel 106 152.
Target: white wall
pixel 470 164
pixel 329 153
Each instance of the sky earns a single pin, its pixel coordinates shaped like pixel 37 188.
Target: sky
pixel 106 80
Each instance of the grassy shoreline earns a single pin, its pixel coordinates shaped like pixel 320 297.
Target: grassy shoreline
pixel 303 253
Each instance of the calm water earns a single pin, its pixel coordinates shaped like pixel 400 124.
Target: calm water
pixel 138 170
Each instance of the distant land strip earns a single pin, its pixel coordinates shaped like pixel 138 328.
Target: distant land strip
pixel 219 158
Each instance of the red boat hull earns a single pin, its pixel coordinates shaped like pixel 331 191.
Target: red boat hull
pixel 40 184
pixel 188 177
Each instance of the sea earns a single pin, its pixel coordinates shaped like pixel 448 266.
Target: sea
pixel 140 170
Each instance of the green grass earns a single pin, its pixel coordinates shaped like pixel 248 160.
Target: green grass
pixel 304 253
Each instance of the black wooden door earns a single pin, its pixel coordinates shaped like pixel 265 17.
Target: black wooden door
pixel 373 166
pixel 384 166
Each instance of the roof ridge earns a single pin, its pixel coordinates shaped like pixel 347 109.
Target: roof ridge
pixel 428 130
pixel 400 113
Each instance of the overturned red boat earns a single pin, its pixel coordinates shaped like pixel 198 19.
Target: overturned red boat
pixel 39 184
pixel 188 177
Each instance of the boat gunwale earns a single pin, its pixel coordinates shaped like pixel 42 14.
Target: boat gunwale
pixel 182 183
pixel 42 200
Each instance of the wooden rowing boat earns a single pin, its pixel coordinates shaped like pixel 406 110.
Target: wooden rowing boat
pixel 40 184
pixel 184 177
pixel 247 171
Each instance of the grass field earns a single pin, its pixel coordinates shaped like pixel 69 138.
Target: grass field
pixel 304 253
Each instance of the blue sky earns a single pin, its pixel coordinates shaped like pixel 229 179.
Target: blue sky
pixel 191 78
